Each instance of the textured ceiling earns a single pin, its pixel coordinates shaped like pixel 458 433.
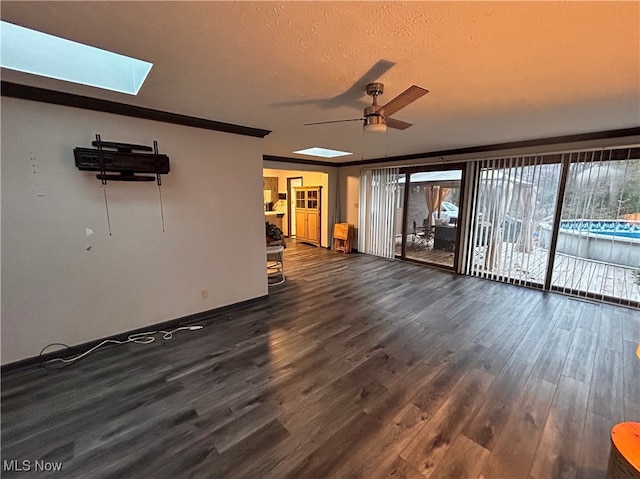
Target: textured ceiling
pixel 496 71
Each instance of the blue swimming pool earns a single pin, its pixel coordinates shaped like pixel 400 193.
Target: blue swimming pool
pixel 618 228
pixel 613 241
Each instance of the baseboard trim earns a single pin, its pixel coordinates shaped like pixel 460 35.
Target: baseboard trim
pixel 209 316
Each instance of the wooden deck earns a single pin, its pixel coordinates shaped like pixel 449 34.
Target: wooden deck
pixel 420 249
pixel 355 367
pixel 569 272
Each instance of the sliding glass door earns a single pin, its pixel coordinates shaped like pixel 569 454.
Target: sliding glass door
pixel 598 242
pixel 513 201
pixel 430 216
pixel 566 222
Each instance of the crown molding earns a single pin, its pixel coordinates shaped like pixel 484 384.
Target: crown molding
pixel 26 92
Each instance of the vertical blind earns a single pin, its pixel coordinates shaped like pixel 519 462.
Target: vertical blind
pixel 378 190
pixel 511 197
pixel 584 243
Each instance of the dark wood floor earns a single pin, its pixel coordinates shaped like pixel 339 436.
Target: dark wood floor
pixel 356 367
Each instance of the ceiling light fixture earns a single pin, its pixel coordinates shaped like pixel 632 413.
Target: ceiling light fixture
pixel 375 128
pixel 375 124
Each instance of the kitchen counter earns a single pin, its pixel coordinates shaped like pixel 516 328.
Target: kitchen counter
pixel 274 217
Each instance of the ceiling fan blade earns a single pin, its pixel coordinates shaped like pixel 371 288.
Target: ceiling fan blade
pixel 333 121
pixel 397 124
pixel 410 95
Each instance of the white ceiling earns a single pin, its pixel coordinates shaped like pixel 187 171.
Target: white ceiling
pixel 497 71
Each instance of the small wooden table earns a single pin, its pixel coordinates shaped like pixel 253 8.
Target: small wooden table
pixel 624 460
pixel 343 235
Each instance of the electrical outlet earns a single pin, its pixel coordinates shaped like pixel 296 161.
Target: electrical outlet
pixel 204 293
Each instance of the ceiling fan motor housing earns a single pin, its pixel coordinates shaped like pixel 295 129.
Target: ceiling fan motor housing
pixel 374 120
pixel 375 89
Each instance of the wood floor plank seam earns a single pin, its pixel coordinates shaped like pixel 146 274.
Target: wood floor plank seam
pixel 355 367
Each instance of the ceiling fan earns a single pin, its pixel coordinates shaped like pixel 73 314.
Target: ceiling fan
pixel 377 118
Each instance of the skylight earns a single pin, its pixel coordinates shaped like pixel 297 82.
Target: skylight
pixel 323 152
pixel 41 54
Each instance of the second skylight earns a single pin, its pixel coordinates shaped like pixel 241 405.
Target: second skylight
pixel 323 152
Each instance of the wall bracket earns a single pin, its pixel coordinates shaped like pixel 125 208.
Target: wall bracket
pixel 125 161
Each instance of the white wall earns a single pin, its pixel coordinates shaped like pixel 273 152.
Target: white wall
pixel 60 283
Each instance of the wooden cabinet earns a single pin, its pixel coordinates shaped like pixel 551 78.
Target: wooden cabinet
pixel 308 202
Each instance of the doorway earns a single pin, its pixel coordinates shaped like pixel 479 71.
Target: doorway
pixel 430 210
pixel 292 183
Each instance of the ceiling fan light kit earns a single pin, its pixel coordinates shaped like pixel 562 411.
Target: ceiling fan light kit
pixel 375 124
